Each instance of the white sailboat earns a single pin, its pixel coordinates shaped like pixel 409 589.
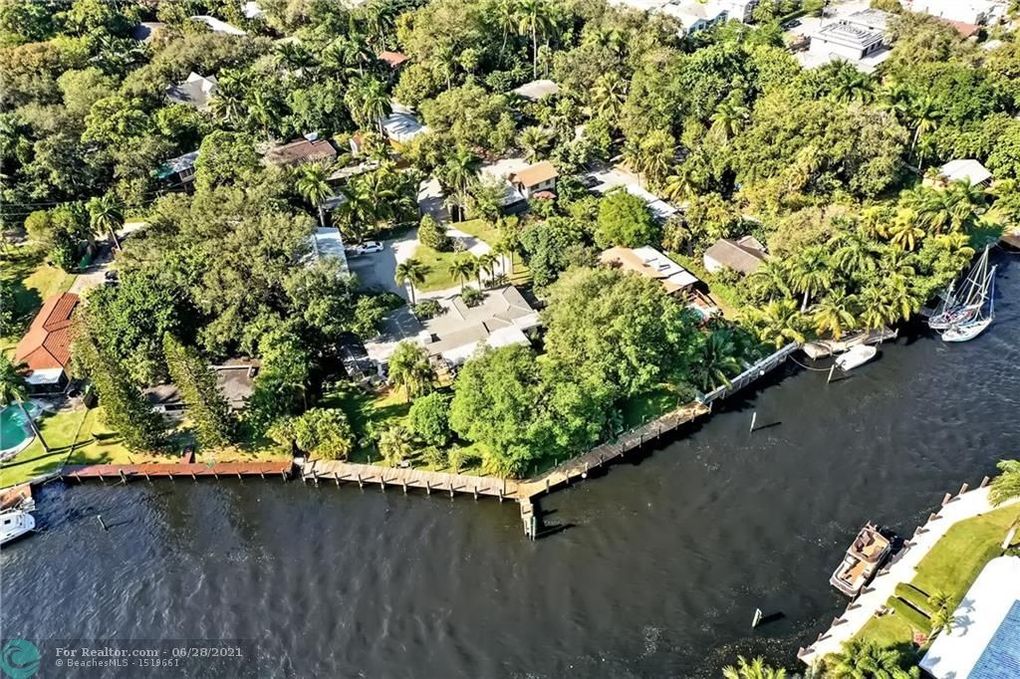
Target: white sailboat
pixel 962 306
pixel 14 523
pixel 979 322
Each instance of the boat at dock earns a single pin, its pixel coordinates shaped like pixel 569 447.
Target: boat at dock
pixel 959 306
pixel 863 558
pixel 14 523
pixel 855 357
pixel 979 321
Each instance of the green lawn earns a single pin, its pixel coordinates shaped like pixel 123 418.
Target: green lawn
pixel 722 294
pixel 480 229
pixel 367 413
pixel 34 282
pixel 645 407
pixel 437 268
pixel 58 429
pixel 951 566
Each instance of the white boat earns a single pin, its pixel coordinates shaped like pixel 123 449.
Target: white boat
pixel 856 356
pixel 14 523
pixel 966 331
pixel 864 557
pixel 962 306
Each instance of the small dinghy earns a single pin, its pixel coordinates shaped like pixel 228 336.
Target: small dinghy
pixel 857 356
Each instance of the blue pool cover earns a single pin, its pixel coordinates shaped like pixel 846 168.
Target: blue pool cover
pixel 1001 658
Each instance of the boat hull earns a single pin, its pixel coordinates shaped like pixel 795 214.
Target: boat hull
pixel 967 331
pixel 15 524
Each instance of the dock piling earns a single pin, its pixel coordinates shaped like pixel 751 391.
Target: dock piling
pixel 754 420
pixel 101 522
pixel 756 620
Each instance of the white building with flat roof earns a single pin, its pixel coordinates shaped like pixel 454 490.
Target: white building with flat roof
pixel 977 12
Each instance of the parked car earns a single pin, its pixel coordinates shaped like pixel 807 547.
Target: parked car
pixel 792 23
pixel 366 248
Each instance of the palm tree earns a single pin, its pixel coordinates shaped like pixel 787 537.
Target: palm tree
pixel 811 273
pixel 728 119
pixel 608 96
pixel 368 102
pixel 861 659
pixel 854 253
pixel 506 18
pixel 411 272
pixel 923 117
pixel 293 56
pixel 683 185
pixel 106 216
pixel 534 141
pixel 463 268
pixel 835 314
pixel 876 310
pixel 755 669
pixel 458 173
pixel 358 212
pixel 534 17
pixel 778 323
pixel 410 369
pixel 395 444
pixel 852 86
pixel 774 277
pixel 312 184
pixel 1006 486
pixel 13 389
pixel 905 231
pixel 718 360
pixel 942 615
pixel 486 264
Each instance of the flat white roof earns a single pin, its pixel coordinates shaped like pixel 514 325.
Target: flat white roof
pixel 537 89
pixel 966 169
pixel 984 642
pixel 615 177
pixel 45 376
pixel 402 125
pixel 217 26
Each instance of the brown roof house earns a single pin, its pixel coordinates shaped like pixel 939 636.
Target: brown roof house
pixel 743 256
pixel 393 59
pixel 46 347
pixel 535 178
pixel 650 263
pixel 306 150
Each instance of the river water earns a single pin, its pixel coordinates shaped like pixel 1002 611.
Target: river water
pixel 656 569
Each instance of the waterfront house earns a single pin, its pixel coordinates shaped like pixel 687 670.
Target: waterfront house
pixel 535 179
pixel 197 91
pixel 46 347
pixel 235 379
pixel 309 149
pixel 744 256
pixel 984 640
pixel 650 263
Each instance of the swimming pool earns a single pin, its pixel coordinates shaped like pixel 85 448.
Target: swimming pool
pixel 14 432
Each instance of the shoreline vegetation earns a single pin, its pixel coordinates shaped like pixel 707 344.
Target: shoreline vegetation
pixel 237 149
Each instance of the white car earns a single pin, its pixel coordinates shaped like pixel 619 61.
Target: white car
pixel 366 248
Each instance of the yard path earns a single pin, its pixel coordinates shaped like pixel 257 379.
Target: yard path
pixel 903 568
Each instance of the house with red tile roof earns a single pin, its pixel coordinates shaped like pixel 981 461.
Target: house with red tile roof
pixel 46 347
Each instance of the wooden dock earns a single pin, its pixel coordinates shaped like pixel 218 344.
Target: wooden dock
pixel 824 348
pixel 171 470
pixel 405 478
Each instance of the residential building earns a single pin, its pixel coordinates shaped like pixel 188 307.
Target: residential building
pixel 696 16
pixel 744 256
pixel 235 379
pixel 535 179
pixel 499 172
pixel 46 347
pixel 327 242
pixel 739 10
pixel 402 125
pixel 846 41
pixel 217 26
pixel 309 149
pixel 650 263
pixel 537 89
pixel 873 20
pixel 984 640
pixel 179 170
pixel 501 319
pixel 966 170
pixel 393 59
pixel 196 91
pixel 973 12
pixel 603 181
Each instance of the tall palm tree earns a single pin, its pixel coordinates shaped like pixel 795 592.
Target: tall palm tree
pixel 923 117
pixel 718 360
pixel 13 389
pixel 486 264
pixel 411 272
pixel 861 659
pixel 1006 486
pixel 905 229
pixel 458 173
pixel 534 142
pixel 853 253
pixel 778 323
pixel 754 669
pixel 811 273
pixel 106 216
pixel 835 314
pixel 368 102
pixel 608 96
pixel 942 617
pixel 410 369
pixel 683 185
pixel 876 310
pixel 311 182
pixel 463 268
pixel 534 17
pixel 359 211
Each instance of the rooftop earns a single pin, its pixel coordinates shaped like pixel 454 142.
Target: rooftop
pixel 393 59
pixel 301 151
pixel 984 642
pixel 537 89
pixel 402 125
pixel 965 169
pixel 874 19
pixel 196 91
pixel 327 242
pixel 744 255
pixel 849 35
pixel 533 175
pixel 47 344
pixel 616 177
pixel 650 263
pixel 217 26
pixel 178 164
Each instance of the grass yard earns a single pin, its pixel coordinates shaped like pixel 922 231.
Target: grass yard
pixel 951 566
pixel 437 266
pixel 58 429
pixel 34 281
pixel 480 229
pixel 368 413
pixel 645 407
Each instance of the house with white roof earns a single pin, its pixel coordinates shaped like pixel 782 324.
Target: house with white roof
pixel 196 91
pixel 402 125
pixel 975 12
pixel 650 263
pixel 964 170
